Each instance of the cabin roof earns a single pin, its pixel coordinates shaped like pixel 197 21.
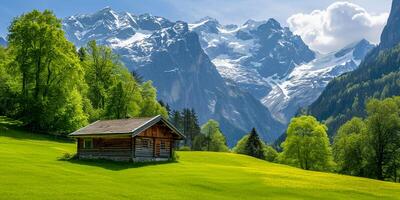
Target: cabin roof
pixel 132 126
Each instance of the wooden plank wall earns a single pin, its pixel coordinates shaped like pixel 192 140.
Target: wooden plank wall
pixel 159 133
pixel 107 148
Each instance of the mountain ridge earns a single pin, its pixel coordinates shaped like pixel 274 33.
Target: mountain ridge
pixel 170 54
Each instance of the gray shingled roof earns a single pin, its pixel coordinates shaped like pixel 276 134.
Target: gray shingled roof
pixel 132 126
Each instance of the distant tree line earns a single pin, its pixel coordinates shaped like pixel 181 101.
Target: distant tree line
pixel 55 88
pixel 368 147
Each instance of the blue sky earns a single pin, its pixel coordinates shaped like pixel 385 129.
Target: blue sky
pixel 226 11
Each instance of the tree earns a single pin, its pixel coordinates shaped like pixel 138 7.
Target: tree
pixel 101 67
pixel 350 148
pixel 8 95
pixel 114 91
pixel 307 145
pixel 270 154
pixel 383 123
pixel 150 106
pixel 190 126
pixel 254 146
pixel 176 119
pixel 211 138
pixel 49 72
pixel 124 100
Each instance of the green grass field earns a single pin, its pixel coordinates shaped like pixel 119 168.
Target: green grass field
pixel 30 169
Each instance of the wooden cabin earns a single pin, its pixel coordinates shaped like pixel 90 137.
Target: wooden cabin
pixel 136 139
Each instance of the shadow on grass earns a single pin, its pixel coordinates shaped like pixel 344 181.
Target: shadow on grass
pixel 15 129
pixel 115 165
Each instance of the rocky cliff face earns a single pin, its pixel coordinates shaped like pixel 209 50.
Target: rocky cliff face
pixel 170 54
pixel 273 64
pixel 391 33
pixel 253 52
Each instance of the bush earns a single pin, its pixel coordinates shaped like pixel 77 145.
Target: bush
pixel 67 156
pixel 175 156
pixel 184 148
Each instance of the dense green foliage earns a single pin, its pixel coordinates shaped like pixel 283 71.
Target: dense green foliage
pixel 307 145
pixel 371 148
pixel 350 150
pixel 210 139
pixel 345 97
pixel 197 175
pixel 53 88
pixel 187 122
pixel 47 72
pixel 270 154
pixel 254 146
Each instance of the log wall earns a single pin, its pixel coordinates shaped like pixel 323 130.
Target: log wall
pixel 107 148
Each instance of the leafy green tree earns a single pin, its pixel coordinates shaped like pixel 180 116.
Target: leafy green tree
pixel 48 70
pixel 270 154
pixel 307 145
pixel 150 106
pixel 8 93
pixel 210 139
pixel 124 100
pixel 383 123
pixel 240 145
pixel 101 67
pixel 350 148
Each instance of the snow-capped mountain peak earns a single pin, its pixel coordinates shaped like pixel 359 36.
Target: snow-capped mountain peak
pixel 170 54
pixel 250 53
pixel 306 82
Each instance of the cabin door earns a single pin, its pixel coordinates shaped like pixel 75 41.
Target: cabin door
pixel 144 147
pixel 165 148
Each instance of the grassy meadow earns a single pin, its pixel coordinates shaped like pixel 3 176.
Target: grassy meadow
pixel 31 168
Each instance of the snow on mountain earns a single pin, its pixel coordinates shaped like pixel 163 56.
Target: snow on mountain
pixel 251 53
pixel 274 64
pixel 3 42
pixel 234 74
pixel 170 54
pixel 306 82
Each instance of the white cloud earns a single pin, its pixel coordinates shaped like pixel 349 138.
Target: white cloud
pixel 340 24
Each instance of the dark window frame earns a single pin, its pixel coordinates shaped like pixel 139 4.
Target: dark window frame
pixel 88 143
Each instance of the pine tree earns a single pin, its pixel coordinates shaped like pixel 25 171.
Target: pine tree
pixel 254 145
pixel 176 119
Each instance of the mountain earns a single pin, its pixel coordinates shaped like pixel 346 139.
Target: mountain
pixel 170 54
pixel 391 33
pixel 3 42
pixel 251 53
pixel 273 64
pixel 377 77
pixel 306 82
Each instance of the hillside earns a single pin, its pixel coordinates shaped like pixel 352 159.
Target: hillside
pixel 377 77
pixel 31 169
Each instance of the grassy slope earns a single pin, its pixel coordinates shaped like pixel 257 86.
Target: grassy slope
pixel 29 169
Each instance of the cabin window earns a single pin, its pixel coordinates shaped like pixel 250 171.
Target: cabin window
pixel 145 143
pixel 88 143
pixel 163 145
